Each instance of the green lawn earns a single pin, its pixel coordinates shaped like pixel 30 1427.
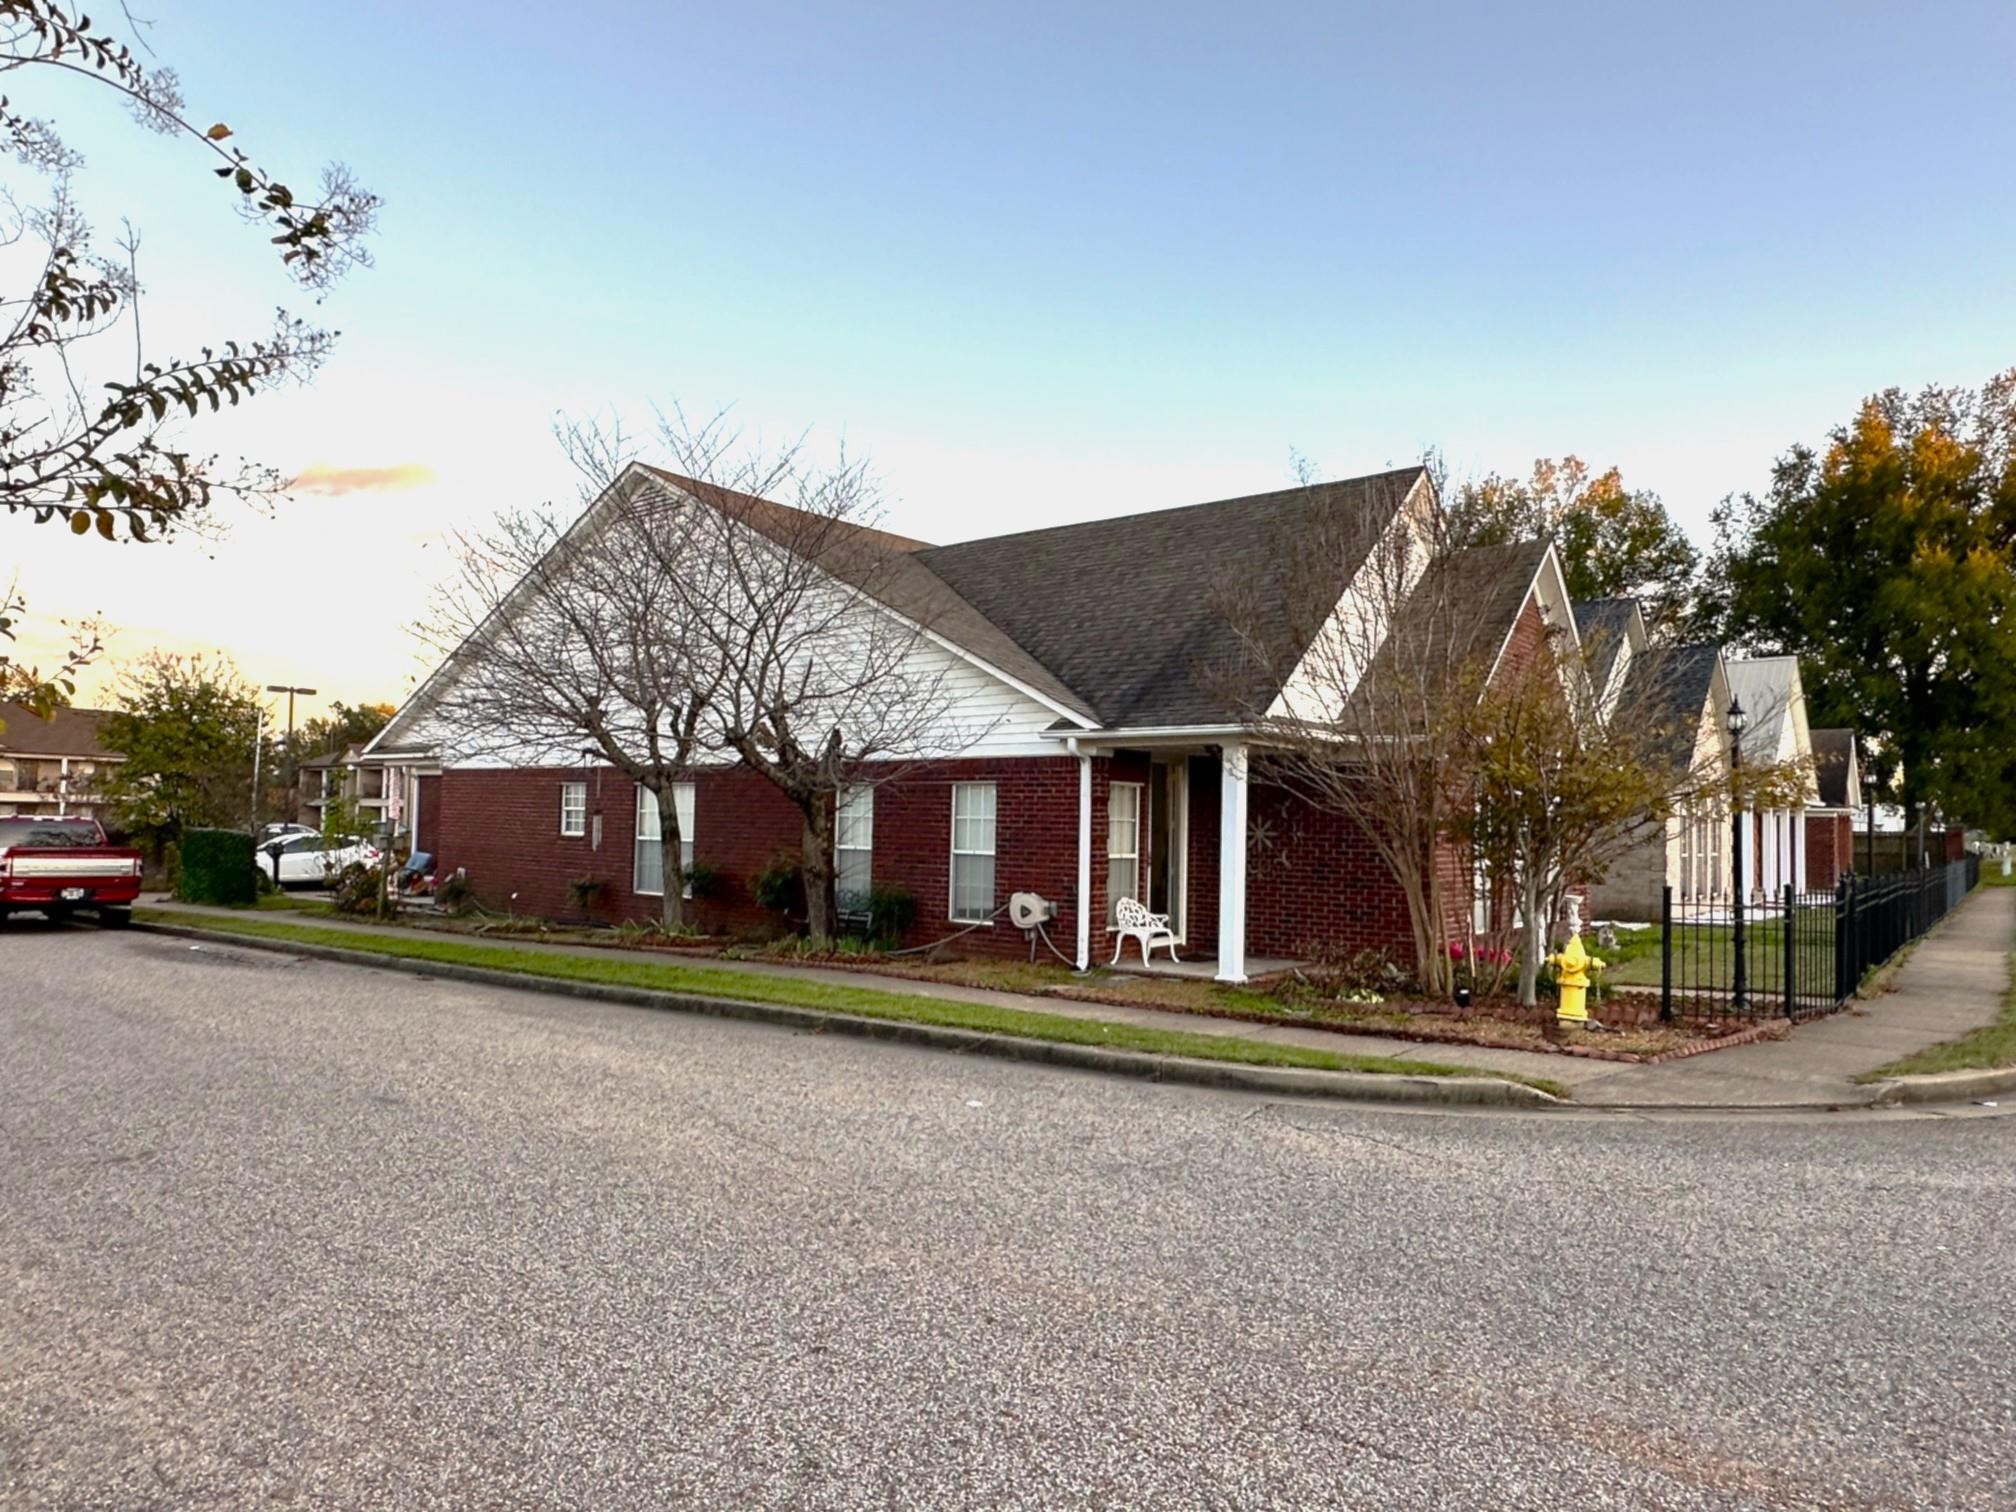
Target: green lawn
pixel 1988 1048
pixel 1704 955
pixel 801 992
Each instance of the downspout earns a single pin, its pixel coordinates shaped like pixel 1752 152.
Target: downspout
pixel 1083 906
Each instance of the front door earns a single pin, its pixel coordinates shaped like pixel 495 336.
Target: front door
pixel 1168 842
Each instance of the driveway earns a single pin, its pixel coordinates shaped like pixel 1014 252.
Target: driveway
pixel 286 1233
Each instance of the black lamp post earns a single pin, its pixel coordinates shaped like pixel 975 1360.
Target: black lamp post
pixel 1737 722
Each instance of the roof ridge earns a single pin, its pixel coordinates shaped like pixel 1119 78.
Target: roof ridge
pixel 1176 509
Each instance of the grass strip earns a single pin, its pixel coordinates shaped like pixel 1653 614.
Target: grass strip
pixel 1988 1048
pixel 800 992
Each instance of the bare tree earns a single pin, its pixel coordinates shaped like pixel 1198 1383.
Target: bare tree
pixel 740 606
pixel 820 623
pixel 565 639
pixel 1359 660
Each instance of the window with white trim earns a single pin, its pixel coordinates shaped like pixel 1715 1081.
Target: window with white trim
pixel 972 852
pixel 1123 847
pixel 649 872
pixel 573 809
pixel 853 849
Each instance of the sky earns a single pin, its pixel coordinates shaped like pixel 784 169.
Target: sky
pixel 1040 263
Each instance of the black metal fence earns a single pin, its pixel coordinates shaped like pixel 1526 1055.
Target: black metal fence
pixel 1798 955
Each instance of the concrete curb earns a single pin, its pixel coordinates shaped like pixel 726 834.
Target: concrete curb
pixel 1354 1086
pixel 1946 1087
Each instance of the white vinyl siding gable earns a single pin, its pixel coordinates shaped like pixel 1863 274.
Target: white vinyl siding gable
pixel 648 876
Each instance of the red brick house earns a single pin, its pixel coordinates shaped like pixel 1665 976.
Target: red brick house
pixel 1117 758
pixel 1830 823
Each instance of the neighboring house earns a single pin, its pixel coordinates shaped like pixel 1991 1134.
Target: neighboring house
pixel 1682 692
pixel 52 766
pixel 343 775
pixel 1774 705
pixel 1830 823
pixel 1112 761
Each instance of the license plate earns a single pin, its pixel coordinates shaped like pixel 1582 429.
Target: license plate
pixel 72 895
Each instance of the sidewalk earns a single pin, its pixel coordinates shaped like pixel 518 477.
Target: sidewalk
pixel 1953 982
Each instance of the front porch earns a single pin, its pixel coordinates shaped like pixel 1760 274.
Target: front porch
pixel 1203 968
pixel 1251 878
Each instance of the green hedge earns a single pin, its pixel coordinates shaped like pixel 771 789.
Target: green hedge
pixel 216 867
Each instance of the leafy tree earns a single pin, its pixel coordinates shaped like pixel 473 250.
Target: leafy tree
pixel 343 726
pixel 1886 561
pixel 42 693
pixel 187 726
pixel 1612 541
pixel 119 461
pixel 1565 788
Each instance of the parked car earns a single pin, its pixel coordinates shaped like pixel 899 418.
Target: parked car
pixel 278 831
pixel 312 859
pixel 56 866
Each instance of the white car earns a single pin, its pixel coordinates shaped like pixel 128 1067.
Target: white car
pixel 313 858
pixel 274 832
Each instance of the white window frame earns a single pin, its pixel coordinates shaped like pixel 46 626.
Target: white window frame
pixel 994 841
pixel 683 797
pixel 573 810
pixel 1139 790
pixel 856 799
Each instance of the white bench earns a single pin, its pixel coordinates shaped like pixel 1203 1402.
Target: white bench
pixel 1136 923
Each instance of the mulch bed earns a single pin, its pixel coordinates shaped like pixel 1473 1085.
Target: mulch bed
pixel 1429 1025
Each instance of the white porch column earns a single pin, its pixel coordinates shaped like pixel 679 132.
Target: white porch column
pixel 1232 866
pixel 1799 850
pixel 1771 828
pixel 1084 908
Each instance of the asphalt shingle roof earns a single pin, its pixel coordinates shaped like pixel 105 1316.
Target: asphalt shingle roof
pixel 1668 691
pixel 1465 607
pixel 890 567
pixel 1123 611
pixel 72 732
pixel 1604 625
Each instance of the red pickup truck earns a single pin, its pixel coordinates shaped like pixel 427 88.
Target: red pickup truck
pixel 60 865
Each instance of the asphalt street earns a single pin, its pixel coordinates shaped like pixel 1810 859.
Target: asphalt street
pixel 282 1233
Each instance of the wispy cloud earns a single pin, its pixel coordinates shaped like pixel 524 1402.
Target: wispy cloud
pixel 331 481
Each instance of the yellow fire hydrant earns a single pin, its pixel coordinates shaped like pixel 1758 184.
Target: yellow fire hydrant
pixel 1573 966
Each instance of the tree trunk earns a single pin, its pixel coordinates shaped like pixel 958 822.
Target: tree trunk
pixel 1534 944
pixel 815 868
pixel 671 864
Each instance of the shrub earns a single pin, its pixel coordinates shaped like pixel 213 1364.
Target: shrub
pixel 453 894
pixel 633 932
pixel 780 887
pixel 587 893
pixel 354 890
pixel 892 909
pixel 705 880
pixel 216 867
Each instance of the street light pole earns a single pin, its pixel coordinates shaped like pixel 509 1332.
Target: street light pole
pixel 1737 721
pixel 292 776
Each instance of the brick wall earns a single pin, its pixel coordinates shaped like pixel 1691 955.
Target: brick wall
pixel 1312 878
pixel 503 827
pixel 1830 850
